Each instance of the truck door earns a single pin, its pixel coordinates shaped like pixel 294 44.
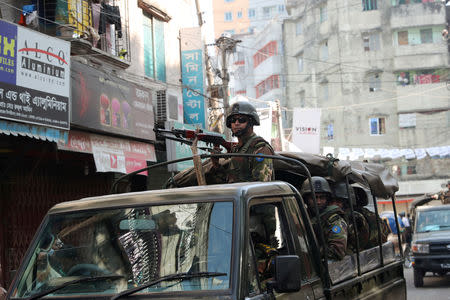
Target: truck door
pixel 268 235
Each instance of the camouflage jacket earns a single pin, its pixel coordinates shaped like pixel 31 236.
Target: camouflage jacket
pixel 243 169
pixel 334 226
pixel 362 228
pixel 371 219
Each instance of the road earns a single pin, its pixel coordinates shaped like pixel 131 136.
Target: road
pixel 435 288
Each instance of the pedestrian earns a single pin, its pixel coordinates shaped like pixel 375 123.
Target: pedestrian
pixel 331 217
pixel 241 119
pixel 406 223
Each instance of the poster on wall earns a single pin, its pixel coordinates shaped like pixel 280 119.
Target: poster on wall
pixel 104 102
pixel 306 129
pixel 192 77
pixel 34 77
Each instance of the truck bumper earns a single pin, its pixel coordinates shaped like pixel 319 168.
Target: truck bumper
pixel 433 263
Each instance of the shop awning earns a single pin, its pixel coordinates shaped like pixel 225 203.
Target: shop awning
pixel 111 154
pixel 34 131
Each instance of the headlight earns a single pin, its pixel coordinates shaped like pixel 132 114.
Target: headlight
pixel 420 248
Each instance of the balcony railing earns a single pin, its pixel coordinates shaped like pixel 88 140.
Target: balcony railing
pixel 94 27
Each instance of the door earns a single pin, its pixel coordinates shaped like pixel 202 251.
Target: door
pixel 269 235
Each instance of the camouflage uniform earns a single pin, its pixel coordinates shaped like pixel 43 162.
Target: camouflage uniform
pixel 362 228
pixel 334 227
pixel 373 230
pixel 243 169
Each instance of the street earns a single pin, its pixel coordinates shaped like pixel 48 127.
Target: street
pixel 435 288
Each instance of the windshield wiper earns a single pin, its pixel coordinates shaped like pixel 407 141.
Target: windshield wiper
pixel 175 276
pixel 84 279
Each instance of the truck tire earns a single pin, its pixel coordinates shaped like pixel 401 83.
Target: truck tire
pixel 418 278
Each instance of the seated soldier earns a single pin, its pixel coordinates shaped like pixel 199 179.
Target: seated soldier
pixel 265 247
pixel 331 218
pixel 341 197
pixel 371 218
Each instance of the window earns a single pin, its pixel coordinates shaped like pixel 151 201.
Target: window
pixel 298 28
pixel 228 1
pixel 231 31
pixel 324 51
pixel 251 13
pixel 308 270
pixel 369 4
pixel 228 16
pixel 402 37
pixel 270 49
pixel 330 132
pixel 269 11
pixel 371 41
pixel 323 14
pixel 268 84
pixel 377 126
pixel 239 14
pixel 374 83
pixel 301 96
pixel 154 50
pixel 300 64
pixel 426 36
pixel 281 8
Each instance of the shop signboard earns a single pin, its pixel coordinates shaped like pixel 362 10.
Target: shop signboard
pixel 107 103
pixel 192 77
pixel 111 154
pixel 34 77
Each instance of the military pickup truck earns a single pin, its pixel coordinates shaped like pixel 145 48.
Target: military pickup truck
pixel 198 242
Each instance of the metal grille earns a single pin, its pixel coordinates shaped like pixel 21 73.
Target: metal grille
pixel 28 194
pixel 161 106
pixel 440 248
pixel 104 26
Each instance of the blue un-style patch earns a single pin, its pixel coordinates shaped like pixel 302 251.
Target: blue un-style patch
pixel 336 229
pixel 259 159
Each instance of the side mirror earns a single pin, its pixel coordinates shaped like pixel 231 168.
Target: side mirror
pixel 287 274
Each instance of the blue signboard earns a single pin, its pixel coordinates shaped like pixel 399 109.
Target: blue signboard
pixel 192 78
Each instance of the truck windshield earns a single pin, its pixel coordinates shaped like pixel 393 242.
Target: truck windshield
pixel 433 220
pixel 139 245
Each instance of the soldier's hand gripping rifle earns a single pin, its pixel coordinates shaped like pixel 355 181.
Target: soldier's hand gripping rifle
pixel 187 136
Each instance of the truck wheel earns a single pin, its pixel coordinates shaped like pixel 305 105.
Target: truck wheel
pixel 418 278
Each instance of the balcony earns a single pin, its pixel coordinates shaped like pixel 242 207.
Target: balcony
pixel 418 14
pixel 93 28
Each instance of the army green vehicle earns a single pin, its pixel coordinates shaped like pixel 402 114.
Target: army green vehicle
pixel 198 242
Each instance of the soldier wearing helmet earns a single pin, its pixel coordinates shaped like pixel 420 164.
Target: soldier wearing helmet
pixel 241 118
pixel 331 217
pixel 342 199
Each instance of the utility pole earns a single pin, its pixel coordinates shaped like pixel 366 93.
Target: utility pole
pixel 225 44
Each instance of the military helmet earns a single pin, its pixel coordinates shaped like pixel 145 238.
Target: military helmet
pixel 320 185
pixel 242 108
pixel 340 192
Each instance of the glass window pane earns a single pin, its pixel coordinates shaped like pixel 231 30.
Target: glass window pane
pixel 148 47
pixel 426 36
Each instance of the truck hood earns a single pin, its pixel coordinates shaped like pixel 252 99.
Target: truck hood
pixel 432 236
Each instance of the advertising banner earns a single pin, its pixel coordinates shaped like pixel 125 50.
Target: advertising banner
pixel 306 129
pixel 34 77
pixel 107 103
pixel 111 154
pixel 192 77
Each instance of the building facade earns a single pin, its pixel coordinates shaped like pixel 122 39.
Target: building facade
pixel 82 85
pixel 378 70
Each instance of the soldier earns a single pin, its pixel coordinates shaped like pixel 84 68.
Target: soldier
pixel 331 217
pixel 362 227
pixel 241 119
pixel 371 218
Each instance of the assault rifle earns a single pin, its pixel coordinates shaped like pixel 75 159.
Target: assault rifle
pixel 187 136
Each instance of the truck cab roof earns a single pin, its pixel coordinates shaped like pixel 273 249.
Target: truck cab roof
pixel 234 191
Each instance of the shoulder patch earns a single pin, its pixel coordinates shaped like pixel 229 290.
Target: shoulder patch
pixel 259 159
pixel 336 229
